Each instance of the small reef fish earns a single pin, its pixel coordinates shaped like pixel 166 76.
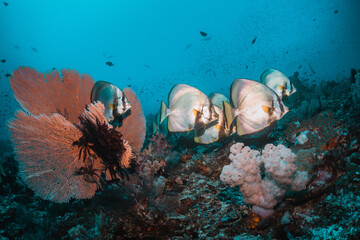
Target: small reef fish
pixel 3 60
pixel 113 98
pixel 110 64
pixel 256 106
pixel 254 40
pixel 204 34
pixel 189 109
pixel 278 82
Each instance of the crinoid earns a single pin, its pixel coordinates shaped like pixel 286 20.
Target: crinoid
pixel 100 138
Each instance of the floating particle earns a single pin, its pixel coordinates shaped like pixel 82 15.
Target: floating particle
pixel 187 47
pixel 336 11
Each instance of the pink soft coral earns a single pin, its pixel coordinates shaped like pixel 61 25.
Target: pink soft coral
pixel 280 174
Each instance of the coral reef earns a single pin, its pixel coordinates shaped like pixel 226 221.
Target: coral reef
pixel 355 91
pixel 172 188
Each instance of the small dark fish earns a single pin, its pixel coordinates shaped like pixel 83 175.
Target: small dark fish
pixel 34 49
pixel 286 52
pixel 147 66
pixel 204 34
pixel 3 60
pixel 54 68
pixel 187 47
pixel 6 95
pixel 254 40
pixel 336 11
pixel 6 4
pixel 110 64
pixel 129 85
pixel 247 67
pixel 7 75
pixel 16 47
pixel 314 19
pixel 300 66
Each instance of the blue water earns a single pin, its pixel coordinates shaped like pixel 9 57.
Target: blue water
pixel 156 44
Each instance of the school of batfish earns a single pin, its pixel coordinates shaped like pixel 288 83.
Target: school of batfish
pixel 252 107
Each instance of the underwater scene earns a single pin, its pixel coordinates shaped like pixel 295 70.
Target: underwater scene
pixel 135 119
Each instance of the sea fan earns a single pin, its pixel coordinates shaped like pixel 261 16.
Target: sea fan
pixel 133 128
pixel 66 92
pixel 59 160
pixel 48 161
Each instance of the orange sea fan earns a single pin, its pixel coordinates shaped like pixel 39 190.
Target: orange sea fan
pixel 48 160
pixel 134 125
pixel 51 93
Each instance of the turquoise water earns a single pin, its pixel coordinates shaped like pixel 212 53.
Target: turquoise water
pixel 156 44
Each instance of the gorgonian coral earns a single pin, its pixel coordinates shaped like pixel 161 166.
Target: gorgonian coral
pixel 65 92
pixel 59 160
pixel 134 125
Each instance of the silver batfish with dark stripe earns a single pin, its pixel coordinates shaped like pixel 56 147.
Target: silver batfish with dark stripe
pixel 113 98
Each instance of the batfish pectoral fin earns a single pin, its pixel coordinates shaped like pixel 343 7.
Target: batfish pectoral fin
pixel 195 112
pixel 267 109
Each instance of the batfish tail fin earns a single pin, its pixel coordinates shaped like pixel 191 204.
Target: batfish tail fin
pixel 164 112
pixel 229 115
